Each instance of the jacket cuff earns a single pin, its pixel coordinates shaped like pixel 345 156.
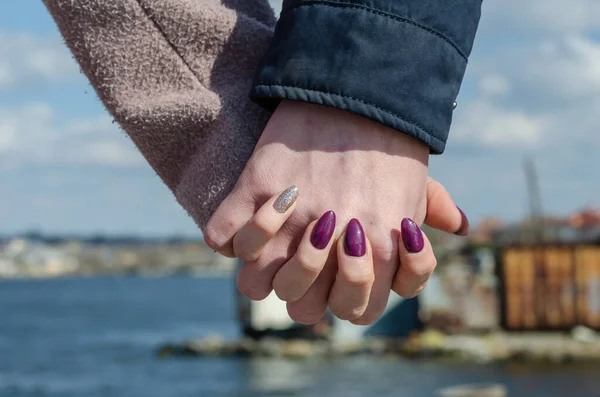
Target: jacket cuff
pixel 376 63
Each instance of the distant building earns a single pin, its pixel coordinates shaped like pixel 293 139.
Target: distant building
pixel 582 226
pixel 585 219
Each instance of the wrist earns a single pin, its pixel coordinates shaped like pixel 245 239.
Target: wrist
pixel 330 129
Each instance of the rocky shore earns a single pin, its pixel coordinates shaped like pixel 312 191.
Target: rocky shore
pixel 581 346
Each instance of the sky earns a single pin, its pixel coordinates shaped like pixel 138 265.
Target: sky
pixel 532 88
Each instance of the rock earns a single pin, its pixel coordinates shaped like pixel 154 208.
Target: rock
pixel 168 351
pixel 269 347
pixel 394 346
pixel 246 347
pixel 376 346
pixel 526 347
pixel 349 348
pixel 298 349
pixel 474 348
pixel 433 340
pixel 212 345
pixel 498 348
pixel 584 335
pixel 430 341
pixel 473 391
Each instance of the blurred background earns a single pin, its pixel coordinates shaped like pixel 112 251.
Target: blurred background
pixel 106 288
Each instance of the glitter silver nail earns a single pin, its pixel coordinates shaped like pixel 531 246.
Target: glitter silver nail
pixel 286 199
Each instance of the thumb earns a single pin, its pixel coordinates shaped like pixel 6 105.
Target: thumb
pixel 442 213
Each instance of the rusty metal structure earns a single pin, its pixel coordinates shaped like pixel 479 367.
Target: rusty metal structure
pixel 549 286
pixel 545 285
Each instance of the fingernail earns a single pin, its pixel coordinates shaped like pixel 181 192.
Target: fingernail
pixel 464 226
pixel 323 230
pixel 286 199
pixel 355 239
pixel 412 236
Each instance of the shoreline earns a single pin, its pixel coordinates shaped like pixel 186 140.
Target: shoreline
pixel 497 347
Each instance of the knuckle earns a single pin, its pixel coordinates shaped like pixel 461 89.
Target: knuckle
pixel 286 294
pixel 211 238
pixel 422 269
pixel 403 290
pixel 384 251
pixel 261 225
pixel 408 291
pixel 242 252
pixel 405 293
pixel 285 291
pixel 349 314
pixel 359 278
pixel 420 288
pixel 435 191
pixel 252 290
pixel 371 314
pixel 216 237
pixel 364 320
pixel 307 265
pixel 305 316
pixel 281 291
pixel 247 256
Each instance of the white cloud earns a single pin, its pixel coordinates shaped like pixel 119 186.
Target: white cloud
pixel 488 125
pixel 533 91
pixel 548 71
pixel 26 59
pixel 567 69
pixel 494 85
pixel 540 91
pixel 490 122
pixel 549 16
pixel 572 66
pixel 32 135
pixel 536 76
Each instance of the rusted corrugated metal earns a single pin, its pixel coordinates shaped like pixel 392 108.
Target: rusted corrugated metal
pixel 550 287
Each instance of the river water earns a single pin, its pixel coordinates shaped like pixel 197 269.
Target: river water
pixel 97 337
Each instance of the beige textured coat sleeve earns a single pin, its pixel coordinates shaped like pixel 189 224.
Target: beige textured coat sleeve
pixel 175 75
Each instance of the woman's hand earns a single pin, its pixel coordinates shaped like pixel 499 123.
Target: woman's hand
pixel 356 168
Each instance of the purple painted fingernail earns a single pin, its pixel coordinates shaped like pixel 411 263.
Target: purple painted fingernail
pixel 412 236
pixel 355 239
pixel 323 230
pixel 464 226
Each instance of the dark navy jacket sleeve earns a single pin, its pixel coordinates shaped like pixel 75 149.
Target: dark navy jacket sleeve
pixel 397 62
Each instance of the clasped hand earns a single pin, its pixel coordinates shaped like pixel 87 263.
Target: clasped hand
pixel 327 213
